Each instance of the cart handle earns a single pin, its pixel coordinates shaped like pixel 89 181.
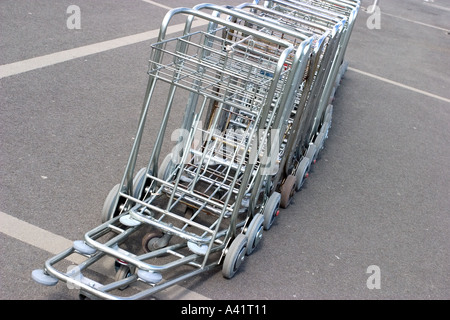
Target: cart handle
pixel 238 14
pixel 192 12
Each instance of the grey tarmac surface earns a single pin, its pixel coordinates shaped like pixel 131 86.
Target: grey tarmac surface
pixel 377 196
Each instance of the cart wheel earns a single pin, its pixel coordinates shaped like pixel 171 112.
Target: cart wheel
pixel 40 276
pixel 302 172
pixel 150 241
pixel 123 272
pixel 138 182
pixel 271 209
pixel 235 256
pixel 326 124
pixel 255 232
pixel 109 210
pixel 288 189
pixel 328 114
pixel 166 167
pixel 319 142
pixel 312 152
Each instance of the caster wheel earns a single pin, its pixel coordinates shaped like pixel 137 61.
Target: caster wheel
pixel 109 211
pixel 235 256
pixel 123 272
pixel 83 297
pixel 166 167
pixel 302 173
pixel 150 241
pixel 320 139
pixel 254 232
pixel 138 183
pixel 287 189
pixel 311 153
pixel 328 114
pixel 41 277
pixel 271 209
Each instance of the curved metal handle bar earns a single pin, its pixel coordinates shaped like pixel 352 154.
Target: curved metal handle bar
pixel 243 15
pixel 283 15
pixel 352 5
pixel 320 38
pixel 168 17
pixel 339 21
pixel 349 4
pixel 316 11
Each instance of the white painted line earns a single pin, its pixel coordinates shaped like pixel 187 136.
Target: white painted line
pixel 158 4
pixel 18 67
pixel 30 234
pixel 416 22
pixel 54 244
pixel 398 84
pixel 431 4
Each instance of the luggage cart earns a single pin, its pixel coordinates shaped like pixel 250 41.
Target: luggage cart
pixel 325 12
pixel 295 161
pixel 245 102
pixel 232 78
pixel 326 79
pixel 306 44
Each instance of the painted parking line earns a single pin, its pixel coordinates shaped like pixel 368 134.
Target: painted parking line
pixel 401 85
pixel 416 22
pixel 54 244
pixel 31 234
pixel 158 4
pixel 19 67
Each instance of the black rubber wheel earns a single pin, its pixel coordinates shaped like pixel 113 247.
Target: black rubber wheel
pixel 150 240
pixel 123 272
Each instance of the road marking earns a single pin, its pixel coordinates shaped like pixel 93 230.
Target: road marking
pixel 416 22
pixel 398 84
pixel 436 6
pixel 54 244
pixel 33 235
pixel 158 4
pixel 18 67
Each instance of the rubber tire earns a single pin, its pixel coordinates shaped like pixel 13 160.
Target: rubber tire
pixel 108 209
pixel 288 189
pixel 254 232
pixel 148 239
pixel 302 170
pixel 271 208
pixel 311 152
pixel 122 273
pixel 138 181
pixel 235 256
pixel 165 167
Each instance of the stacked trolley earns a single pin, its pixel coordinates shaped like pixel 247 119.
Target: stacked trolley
pixel 253 85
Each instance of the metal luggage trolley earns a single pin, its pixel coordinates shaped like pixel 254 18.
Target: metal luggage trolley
pixel 306 44
pixel 233 79
pixel 326 13
pixel 338 17
pixel 298 149
pixel 242 105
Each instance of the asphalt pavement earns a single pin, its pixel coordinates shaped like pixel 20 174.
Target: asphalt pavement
pixel 371 222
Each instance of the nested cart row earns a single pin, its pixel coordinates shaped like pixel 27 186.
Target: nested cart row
pixel 245 99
